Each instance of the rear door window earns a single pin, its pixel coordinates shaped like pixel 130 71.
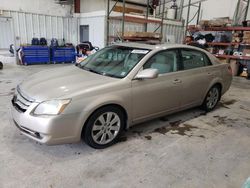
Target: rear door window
pixel 192 59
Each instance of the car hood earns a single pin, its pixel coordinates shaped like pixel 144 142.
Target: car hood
pixel 61 83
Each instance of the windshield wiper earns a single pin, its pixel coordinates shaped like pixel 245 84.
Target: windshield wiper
pixel 101 73
pixel 90 70
pixel 94 71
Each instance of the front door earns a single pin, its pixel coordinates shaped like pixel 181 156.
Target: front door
pixel 152 97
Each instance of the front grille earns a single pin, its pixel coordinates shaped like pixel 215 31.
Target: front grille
pixel 20 101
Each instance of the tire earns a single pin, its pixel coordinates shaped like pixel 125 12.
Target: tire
pixel 1 65
pixel 104 127
pixel 212 98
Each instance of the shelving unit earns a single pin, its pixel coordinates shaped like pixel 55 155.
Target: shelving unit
pixel 120 21
pixel 195 29
pixel 198 12
pixel 243 60
pixel 125 17
pixel 145 20
pixel 226 44
pixel 233 57
pixel 135 19
pixel 223 43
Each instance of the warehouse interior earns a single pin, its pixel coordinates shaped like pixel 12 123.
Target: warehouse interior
pixel 191 147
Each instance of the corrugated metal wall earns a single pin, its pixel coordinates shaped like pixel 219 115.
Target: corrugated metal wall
pixel 6 36
pixel 21 27
pixel 26 26
pixel 171 29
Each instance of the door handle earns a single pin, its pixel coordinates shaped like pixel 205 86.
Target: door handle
pixel 177 81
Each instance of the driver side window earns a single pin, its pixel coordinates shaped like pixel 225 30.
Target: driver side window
pixel 164 62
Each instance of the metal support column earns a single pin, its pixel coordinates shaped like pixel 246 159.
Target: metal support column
pixel 237 13
pixel 146 24
pixel 181 10
pixel 246 12
pixel 123 18
pixel 199 12
pixel 107 29
pixel 187 20
pixel 162 17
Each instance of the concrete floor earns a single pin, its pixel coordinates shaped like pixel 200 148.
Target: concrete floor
pixel 188 149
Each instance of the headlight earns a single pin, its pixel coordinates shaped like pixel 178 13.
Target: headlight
pixel 53 107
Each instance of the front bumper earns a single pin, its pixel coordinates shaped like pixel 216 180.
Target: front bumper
pixel 60 129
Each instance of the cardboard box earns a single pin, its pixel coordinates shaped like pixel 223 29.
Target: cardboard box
pixel 246 52
pixel 247 33
pixel 247 41
pixel 235 67
pixel 204 22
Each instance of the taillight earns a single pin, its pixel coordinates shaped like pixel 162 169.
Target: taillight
pixel 230 71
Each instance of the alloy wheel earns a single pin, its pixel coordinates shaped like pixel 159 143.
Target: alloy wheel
pixel 212 98
pixel 106 127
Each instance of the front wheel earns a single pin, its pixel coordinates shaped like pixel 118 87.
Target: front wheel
pixel 104 127
pixel 212 98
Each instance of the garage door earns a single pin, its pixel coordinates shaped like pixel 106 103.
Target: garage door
pixel 6 38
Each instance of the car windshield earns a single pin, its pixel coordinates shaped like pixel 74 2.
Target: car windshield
pixel 113 61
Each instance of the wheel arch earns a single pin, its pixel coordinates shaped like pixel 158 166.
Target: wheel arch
pixel 214 82
pixel 106 105
pixel 217 83
pixel 220 87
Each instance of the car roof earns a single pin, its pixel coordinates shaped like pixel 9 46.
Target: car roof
pixel 159 47
pixel 155 47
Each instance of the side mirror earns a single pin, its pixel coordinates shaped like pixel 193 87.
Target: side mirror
pixel 147 74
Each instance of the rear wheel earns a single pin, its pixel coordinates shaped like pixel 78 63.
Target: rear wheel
pixel 212 98
pixel 104 127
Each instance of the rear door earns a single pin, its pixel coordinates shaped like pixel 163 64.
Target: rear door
pixel 151 97
pixel 196 76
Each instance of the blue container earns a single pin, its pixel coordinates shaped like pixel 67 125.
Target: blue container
pixel 35 54
pixel 63 54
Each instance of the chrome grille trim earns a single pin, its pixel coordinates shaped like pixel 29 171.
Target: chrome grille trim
pixel 24 96
pixel 21 101
pixel 21 105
